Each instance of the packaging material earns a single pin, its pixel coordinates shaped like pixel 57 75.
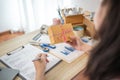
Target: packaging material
pixel 78 31
pixel 60 33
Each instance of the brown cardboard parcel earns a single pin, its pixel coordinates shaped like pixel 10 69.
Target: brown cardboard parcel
pixel 60 33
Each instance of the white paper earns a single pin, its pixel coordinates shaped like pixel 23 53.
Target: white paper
pixel 44 39
pixel 21 59
pixel 68 58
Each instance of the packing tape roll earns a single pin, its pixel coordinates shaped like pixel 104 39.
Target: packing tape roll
pixel 78 31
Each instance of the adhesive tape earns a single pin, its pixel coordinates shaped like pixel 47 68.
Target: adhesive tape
pixel 78 31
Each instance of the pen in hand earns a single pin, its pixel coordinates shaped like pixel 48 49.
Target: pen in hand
pixel 40 57
pixel 36 59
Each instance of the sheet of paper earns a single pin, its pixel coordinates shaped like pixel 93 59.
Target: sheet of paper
pixel 43 39
pixel 66 54
pixel 21 60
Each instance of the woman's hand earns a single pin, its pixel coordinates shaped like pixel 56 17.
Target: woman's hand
pixel 40 66
pixel 78 44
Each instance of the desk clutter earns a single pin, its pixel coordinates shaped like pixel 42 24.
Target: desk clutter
pixel 21 59
pixel 63 50
pixel 45 47
pixel 52 44
pixel 72 11
pixel 56 44
pixel 76 11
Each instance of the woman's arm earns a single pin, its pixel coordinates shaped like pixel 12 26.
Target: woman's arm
pixel 79 45
pixel 40 76
pixel 40 66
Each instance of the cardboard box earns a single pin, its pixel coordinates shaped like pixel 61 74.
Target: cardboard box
pixel 60 33
pixel 73 19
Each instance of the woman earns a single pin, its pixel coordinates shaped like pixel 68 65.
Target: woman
pixel 104 60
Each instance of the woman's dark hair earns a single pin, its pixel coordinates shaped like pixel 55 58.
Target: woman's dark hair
pixel 104 61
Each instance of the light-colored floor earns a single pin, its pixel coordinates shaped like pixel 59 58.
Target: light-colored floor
pixel 7 36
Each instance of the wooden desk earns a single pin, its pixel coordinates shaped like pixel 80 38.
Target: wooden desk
pixel 63 71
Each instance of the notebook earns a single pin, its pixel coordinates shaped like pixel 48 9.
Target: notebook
pixel 21 59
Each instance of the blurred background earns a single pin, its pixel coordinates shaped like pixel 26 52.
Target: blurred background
pixel 18 17
pixel 29 15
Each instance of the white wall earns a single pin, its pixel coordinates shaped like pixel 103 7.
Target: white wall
pixel 44 11
pixel 9 15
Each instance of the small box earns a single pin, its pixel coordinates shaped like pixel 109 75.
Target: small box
pixel 60 33
pixel 73 19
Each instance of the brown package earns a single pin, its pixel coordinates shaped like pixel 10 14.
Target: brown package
pixel 60 33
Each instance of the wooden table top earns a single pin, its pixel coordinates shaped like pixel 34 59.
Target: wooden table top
pixel 62 71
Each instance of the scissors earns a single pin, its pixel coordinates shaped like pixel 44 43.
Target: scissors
pixel 44 46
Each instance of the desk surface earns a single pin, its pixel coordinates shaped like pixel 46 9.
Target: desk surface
pixel 62 71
